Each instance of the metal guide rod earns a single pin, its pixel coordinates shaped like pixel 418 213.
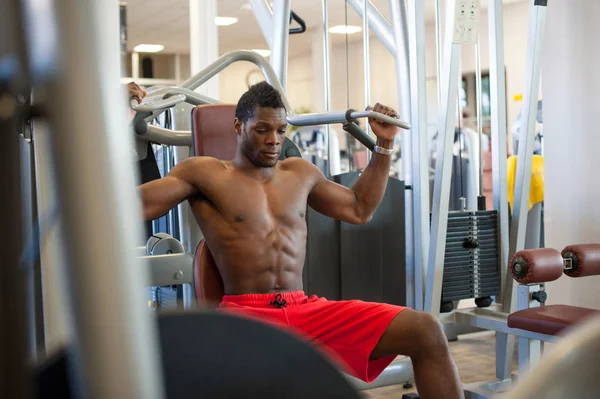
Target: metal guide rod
pixel 443 166
pixel 401 39
pixel 279 48
pixel 498 131
pixel 528 119
pixel 115 345
pixel 438 51
pixel 326 79
pixel 378 24
pixel 420 178
pixel 366 67
pixel 478 105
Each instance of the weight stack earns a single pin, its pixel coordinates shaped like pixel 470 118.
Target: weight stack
pixel 471 262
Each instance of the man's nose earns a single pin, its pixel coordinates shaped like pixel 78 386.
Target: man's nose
pixel 272 138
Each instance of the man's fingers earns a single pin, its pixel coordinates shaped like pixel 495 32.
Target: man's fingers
pixel 382 109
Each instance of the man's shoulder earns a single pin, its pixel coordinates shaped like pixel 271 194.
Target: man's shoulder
pixel 196 165
pixel 302 168
pixel 206 162
pixel 297 164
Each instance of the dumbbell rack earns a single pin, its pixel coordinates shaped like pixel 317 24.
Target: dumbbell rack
pixel 471 258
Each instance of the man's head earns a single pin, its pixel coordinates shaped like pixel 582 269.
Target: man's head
pixel 261 124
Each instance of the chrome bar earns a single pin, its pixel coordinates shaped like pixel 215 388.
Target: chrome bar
pixel 378 24
pixel 234 56
pixel 479 127
pixel 156 104
pixel 326 79
pixel 366 65
pixel 419 150
pixel 157 134
pixel 413 226
pixel 438 50
pixel 340 117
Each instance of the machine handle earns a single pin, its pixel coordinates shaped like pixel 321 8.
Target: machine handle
pixel 300 21
pixel 156 104
pixel 377 115
pixel 352 128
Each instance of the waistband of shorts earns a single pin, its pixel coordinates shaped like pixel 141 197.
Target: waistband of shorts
pixel 266 300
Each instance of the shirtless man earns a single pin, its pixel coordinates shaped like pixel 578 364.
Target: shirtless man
pixel 251 210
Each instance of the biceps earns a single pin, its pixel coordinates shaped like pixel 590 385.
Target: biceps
pixel 334 200
pixel 159 196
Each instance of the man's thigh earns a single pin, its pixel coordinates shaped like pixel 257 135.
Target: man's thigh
pixel 409 333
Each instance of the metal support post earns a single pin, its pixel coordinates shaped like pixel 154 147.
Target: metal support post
pixel 189 231
pixel 438 50
pixel 505 347
pixel 115 345
pixel 326 79
pixel 279 50
pixel 443 167
pixel 530 350
pixel 419 149
pixel 401 39
pixel 504 343
pixel 366 67
pixel 528 119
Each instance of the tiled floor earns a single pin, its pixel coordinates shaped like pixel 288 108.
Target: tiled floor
pixel 474 355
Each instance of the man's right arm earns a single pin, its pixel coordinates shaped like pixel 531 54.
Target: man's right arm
pixel 162 195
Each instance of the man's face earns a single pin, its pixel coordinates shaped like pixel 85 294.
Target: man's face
pixel 262 136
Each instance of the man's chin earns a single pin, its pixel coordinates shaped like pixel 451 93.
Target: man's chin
pixel 265 163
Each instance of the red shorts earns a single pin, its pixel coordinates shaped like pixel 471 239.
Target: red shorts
pixel 347 331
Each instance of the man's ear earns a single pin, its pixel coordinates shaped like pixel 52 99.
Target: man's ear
pixel 237 124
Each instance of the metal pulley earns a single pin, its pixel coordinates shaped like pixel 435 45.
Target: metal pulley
pixel 163 244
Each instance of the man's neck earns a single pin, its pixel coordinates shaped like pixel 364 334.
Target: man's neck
pixel 241 162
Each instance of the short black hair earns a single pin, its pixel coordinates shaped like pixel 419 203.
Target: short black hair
pixel 262 95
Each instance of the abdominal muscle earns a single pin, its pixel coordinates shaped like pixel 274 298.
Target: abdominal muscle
pixel 256 258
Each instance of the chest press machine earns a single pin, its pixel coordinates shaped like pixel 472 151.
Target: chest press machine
pixel 212 135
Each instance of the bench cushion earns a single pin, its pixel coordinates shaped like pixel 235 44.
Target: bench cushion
pixel 551 319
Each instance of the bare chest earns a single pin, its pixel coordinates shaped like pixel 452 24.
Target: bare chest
pixel 244 203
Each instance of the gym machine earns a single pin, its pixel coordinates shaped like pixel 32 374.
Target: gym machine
pixel 489 272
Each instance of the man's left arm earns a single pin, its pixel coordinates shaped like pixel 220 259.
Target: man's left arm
pixel 358 204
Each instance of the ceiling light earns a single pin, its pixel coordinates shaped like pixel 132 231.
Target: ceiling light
pixel 264 53
pixel 148 48
pixel 225 21
pixel 343 29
